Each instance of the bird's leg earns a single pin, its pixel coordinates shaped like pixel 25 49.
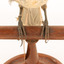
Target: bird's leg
pixel 21 29
pixel 45 29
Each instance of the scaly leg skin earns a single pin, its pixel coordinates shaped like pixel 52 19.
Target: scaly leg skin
pixel 45 29
pixel 21 29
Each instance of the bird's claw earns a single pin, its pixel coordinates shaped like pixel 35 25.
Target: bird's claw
pixel 20 32
pixel 21 29
pixel 46 31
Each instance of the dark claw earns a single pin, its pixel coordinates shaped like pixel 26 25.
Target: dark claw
pixel 21 29
pixel 46 31
pixel 42 29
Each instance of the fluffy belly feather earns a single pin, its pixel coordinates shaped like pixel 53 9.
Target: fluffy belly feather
pixel 31 17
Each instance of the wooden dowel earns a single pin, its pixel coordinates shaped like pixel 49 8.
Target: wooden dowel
pixel 33 32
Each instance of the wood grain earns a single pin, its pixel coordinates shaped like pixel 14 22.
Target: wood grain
pixel 33 32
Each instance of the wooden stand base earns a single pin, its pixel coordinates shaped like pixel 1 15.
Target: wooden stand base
pixel 32 57
pixel 43 59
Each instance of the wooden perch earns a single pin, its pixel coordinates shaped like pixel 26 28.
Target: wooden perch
pixel 33 32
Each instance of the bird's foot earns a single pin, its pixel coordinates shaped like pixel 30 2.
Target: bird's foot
pixel 21 29
pixel 45 31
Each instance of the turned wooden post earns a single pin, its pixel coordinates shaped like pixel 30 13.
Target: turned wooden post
pixel 32 56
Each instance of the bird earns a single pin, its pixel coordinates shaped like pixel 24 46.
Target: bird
pixel 30 15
